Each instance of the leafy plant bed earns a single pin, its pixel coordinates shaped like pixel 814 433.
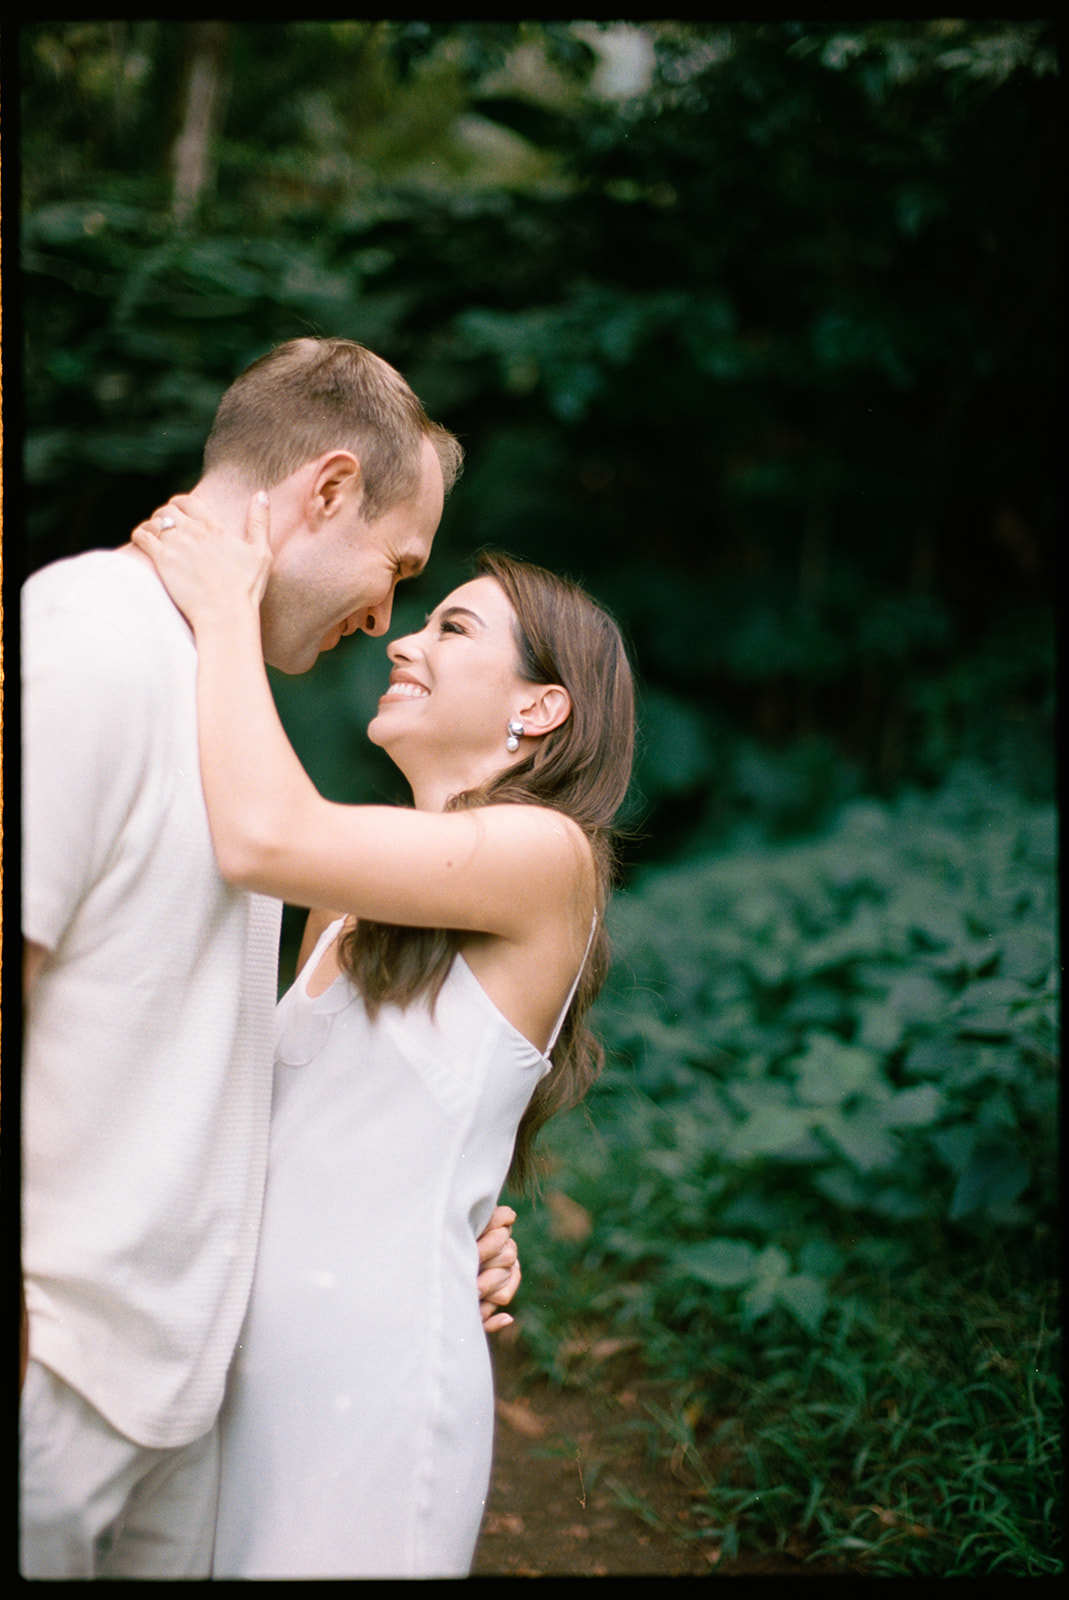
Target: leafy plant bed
pixel 918 1437
pixel 818 1183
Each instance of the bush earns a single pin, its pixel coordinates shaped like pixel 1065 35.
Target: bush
pixel 859 1029
pixel 822 1160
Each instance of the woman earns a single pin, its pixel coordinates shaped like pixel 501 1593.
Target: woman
pixel 413 1051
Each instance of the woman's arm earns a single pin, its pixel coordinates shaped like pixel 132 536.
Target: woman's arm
pixel 318 922
pixel 495 869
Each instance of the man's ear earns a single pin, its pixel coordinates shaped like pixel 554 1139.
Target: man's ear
pixel 549 705
pixel 337 479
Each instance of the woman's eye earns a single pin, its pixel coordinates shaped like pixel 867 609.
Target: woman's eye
pixel 451 627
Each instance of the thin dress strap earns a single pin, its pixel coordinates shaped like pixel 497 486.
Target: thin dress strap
pixel 574 987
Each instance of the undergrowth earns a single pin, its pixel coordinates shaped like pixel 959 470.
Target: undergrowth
pixel 817 1188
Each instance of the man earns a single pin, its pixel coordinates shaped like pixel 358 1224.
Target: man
pixel 150 983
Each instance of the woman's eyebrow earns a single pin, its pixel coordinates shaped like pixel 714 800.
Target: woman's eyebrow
pixel 458 611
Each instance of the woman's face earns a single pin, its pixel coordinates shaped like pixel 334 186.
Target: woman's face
pixel 455 684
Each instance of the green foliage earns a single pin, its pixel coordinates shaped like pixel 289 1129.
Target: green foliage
pixel 753 340
pixel 830 1113
pixel 861 1025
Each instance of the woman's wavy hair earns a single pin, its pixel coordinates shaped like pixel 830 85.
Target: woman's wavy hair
pixel 583 769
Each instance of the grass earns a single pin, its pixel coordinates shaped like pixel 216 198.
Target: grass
pixel 925 1437
pixel 917 1433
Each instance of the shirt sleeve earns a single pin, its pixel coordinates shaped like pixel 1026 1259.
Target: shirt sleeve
pixel 84 704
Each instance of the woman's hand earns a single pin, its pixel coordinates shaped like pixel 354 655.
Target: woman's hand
pixel 207 571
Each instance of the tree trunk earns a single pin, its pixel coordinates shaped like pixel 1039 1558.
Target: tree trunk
pixel 202 116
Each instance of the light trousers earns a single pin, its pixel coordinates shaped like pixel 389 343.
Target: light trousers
pixel 93 1504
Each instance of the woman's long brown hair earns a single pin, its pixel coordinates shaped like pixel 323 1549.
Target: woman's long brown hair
pixel 581 768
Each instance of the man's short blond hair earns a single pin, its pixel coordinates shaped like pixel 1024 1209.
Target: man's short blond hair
pixel 309 396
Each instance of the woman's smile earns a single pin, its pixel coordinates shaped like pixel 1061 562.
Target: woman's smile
pixel 404 688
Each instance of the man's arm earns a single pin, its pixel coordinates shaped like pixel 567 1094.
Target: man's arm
pixel 34 957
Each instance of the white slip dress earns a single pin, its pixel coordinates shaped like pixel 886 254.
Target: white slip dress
pixel 357 1430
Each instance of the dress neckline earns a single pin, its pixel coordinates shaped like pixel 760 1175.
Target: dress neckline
pixel 344 996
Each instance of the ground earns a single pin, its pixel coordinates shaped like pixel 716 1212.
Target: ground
pixel 576 1492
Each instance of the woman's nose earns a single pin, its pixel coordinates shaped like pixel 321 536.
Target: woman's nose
pixel 401 649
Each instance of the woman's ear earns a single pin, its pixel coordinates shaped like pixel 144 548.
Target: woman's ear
pixel 548 706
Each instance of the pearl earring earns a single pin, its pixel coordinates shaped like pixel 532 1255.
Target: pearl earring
pixel 516 731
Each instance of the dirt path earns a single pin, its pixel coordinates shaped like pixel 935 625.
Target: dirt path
pixel 571 1470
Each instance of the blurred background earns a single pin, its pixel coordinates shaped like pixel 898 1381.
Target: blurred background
pixel 751 328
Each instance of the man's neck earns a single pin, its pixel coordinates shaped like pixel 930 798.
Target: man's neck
pixel 223 497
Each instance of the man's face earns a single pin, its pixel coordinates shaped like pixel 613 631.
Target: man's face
pixel 339 577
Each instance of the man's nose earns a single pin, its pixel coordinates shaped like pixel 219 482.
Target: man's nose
pixel 375 620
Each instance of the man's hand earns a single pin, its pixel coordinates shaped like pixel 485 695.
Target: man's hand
pixel 499 1269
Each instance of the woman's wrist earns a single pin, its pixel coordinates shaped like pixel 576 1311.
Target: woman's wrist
pixel 227 618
